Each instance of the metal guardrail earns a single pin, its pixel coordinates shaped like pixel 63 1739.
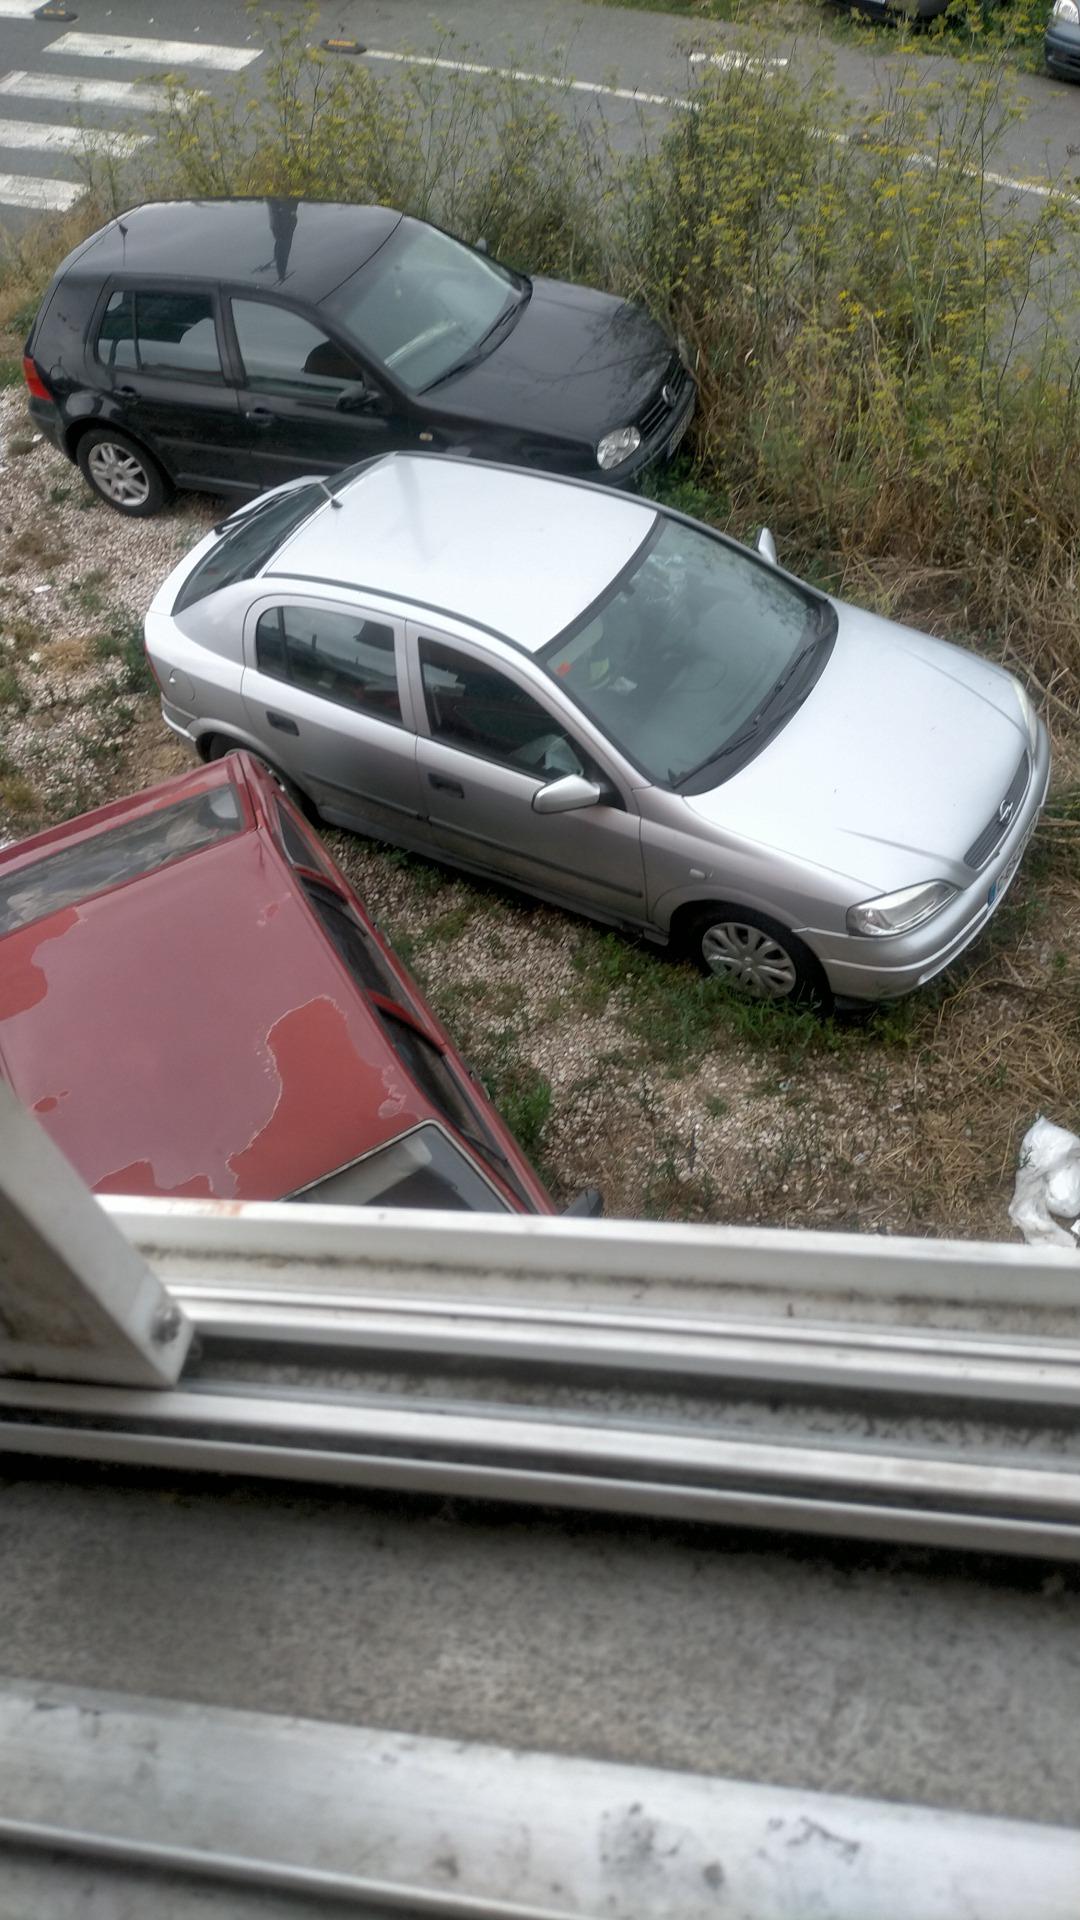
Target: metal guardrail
pixel 768 1380
pixel 280 1815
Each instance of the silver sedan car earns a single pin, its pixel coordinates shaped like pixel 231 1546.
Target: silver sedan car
pixel 598 700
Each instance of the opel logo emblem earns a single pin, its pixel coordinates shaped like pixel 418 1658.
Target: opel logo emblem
pixel 1005 811
pixel 667 395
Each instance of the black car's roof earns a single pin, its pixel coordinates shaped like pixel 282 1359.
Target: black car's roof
pixel 305 247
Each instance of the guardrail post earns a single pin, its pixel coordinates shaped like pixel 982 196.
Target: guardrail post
pixel 77 1301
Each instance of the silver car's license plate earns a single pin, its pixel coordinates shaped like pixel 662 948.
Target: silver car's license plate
pixel 1008 874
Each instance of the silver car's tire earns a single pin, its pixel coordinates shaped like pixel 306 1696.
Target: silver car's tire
pixel 219 746
pixel 756 957
pixel 122 473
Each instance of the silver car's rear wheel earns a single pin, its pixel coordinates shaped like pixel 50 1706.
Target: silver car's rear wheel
pixel 756 957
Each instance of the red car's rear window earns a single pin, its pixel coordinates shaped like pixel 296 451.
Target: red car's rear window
pixel 103 860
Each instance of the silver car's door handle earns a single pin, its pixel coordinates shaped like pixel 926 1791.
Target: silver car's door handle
pixel 447 786
pixel 282 725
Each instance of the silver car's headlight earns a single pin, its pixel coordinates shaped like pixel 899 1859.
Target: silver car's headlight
pixel 1066 10
pixel 1021 692
pixel 616 447
pixel 899 912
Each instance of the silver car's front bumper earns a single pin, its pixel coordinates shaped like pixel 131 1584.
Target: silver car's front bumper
pixel 883 969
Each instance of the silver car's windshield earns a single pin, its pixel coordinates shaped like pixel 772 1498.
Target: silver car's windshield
pixel 685 659
pixel 425 304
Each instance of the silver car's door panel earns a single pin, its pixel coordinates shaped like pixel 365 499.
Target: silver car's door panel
pixel 358 766
pixel 480 811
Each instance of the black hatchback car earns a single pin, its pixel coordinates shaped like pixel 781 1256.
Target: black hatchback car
pixel 232 345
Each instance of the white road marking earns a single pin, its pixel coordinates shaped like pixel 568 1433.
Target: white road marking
pixel 515 73
pixel 1043 190
pixel 164 54
pixel 728 61
pixel 46 196
pixel 42 134
pixel 86 93
pixel 18 9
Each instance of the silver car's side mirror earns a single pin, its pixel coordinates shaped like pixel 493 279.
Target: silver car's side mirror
pixel 766 546
pixel 566 795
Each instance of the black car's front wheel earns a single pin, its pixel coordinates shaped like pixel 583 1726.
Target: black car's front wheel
pixel 122 473
pixel 757 957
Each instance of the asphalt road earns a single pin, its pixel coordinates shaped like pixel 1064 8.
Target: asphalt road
pixel 100 67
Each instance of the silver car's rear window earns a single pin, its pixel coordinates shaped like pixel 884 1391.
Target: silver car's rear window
pixel 117 853
pixel 248 545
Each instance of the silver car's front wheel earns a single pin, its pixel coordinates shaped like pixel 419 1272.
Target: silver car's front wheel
pixel 749 959
pixel 757 957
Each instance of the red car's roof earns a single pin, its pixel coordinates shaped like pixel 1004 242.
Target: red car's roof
pixel 275 1074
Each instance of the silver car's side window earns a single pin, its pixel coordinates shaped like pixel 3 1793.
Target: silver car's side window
pixel 340 656
pixel 471 705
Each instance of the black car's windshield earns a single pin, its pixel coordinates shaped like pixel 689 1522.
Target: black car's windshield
pixel 424 304
pixel 684 657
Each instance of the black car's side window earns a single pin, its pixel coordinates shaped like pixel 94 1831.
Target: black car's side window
pixel 341 656
pixel 283 353
pixel 474 706
pixel 171 333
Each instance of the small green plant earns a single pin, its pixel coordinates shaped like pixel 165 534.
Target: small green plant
pixel 12 693
pixel 123 641
pixel 519 1090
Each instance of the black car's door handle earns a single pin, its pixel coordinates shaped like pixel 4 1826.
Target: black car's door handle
pixel 281 725
pixel 126 393
pixel 447 786
pixel 259 416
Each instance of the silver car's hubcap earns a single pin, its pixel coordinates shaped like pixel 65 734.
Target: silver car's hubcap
pixel 749 959
pixel 118 474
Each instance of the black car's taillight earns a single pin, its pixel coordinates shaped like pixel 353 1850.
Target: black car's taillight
pixel 35 384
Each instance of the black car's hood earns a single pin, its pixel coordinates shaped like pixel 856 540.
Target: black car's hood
pixel 576 364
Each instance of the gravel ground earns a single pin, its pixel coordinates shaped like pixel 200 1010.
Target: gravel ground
pixel 617 1067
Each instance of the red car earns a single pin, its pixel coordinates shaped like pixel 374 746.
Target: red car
pixel 194 1002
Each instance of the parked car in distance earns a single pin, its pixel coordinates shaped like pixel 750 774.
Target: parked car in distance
pixel 605 703
pixel 232 345
pixel 195 1003
pixel 1061 46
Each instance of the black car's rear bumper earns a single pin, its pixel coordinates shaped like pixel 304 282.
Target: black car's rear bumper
pixel 1062 49
pixel 46 418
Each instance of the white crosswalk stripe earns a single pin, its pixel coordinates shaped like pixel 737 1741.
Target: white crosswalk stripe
pixel 66 134
pixel 43 196
pixel 48 138
pixel 163 54
pixel 126 94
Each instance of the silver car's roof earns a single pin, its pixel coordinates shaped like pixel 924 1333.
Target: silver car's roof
pixel 521 552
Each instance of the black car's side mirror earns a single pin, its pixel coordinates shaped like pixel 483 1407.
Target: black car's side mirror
pixel 358 397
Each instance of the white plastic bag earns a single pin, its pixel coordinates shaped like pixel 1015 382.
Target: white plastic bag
pixel 1047 1182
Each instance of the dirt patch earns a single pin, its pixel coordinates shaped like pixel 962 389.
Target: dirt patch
pixel 617 1067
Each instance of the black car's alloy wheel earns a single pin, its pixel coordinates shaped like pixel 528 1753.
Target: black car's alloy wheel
pixel 757 957
pixel 122 473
